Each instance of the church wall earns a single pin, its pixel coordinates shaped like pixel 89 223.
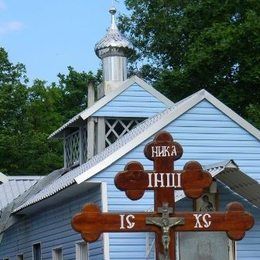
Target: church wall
pixel 207 136
pixel 133 102
pixel 50 227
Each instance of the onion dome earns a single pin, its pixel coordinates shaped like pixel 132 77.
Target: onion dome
pixel 113 43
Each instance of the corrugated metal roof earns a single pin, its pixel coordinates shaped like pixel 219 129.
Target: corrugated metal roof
pixel 230 175
pixel 69 178
pixel 139 134
pixel 240 183
pixel 14 187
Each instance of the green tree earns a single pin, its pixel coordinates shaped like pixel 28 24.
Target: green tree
pixel 29 114
pixel 13 105
pixel 189 45
pixel 74 89
pixel 44 116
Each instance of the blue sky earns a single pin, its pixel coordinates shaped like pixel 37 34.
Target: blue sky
pixel 49 35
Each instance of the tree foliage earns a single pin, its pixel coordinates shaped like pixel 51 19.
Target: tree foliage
pixel 30 113
pixel 190 45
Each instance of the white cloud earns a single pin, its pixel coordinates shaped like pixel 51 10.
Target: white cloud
pixel 9 27
pixel 2 5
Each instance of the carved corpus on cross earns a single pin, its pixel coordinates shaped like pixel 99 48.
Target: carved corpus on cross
pixel 164 221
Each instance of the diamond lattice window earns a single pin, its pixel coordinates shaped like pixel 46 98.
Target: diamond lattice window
pixel 84 144
pixel 116 128
pixel 72 149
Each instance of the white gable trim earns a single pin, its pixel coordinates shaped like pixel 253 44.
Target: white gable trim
pixel 233 115
pixel 165 120
pixel 106 99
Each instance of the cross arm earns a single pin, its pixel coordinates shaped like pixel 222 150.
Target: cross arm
pixel 235 221
pixel 91 222
pixel 134 180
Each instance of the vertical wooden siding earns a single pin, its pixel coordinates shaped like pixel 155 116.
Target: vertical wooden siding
pixel 208 136
pixel 50 227
pixel 133 102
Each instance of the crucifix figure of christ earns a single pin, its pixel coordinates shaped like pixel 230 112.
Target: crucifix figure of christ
pixel 164 221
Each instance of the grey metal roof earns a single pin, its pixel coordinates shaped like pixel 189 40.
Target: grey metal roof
pixel 135 137
pixel 14 187
pixel 113 38
pixel 68 179
pixel 230 175
pixel 239 182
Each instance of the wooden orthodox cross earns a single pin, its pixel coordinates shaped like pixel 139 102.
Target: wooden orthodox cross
pixel 164 221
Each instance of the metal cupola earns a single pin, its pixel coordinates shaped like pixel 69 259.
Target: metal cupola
pixel 112 50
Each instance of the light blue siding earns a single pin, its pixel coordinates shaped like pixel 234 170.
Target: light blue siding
pixel 50 227
pixel 133 102
pixel 218 138
pixel 249 247
pixel 208 136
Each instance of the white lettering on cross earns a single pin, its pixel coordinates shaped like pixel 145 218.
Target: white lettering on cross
pixel 158 179
pixel 202 220
pixel 164 151
pixel 172 180
pixel 127 221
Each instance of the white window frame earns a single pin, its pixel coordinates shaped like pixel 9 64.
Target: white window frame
pixel 82 250
pixel 232 250
pixel 56 253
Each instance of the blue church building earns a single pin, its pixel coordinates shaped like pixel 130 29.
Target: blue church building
pixel 112 131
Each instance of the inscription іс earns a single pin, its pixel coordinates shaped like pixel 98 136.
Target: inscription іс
pixel 127 221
